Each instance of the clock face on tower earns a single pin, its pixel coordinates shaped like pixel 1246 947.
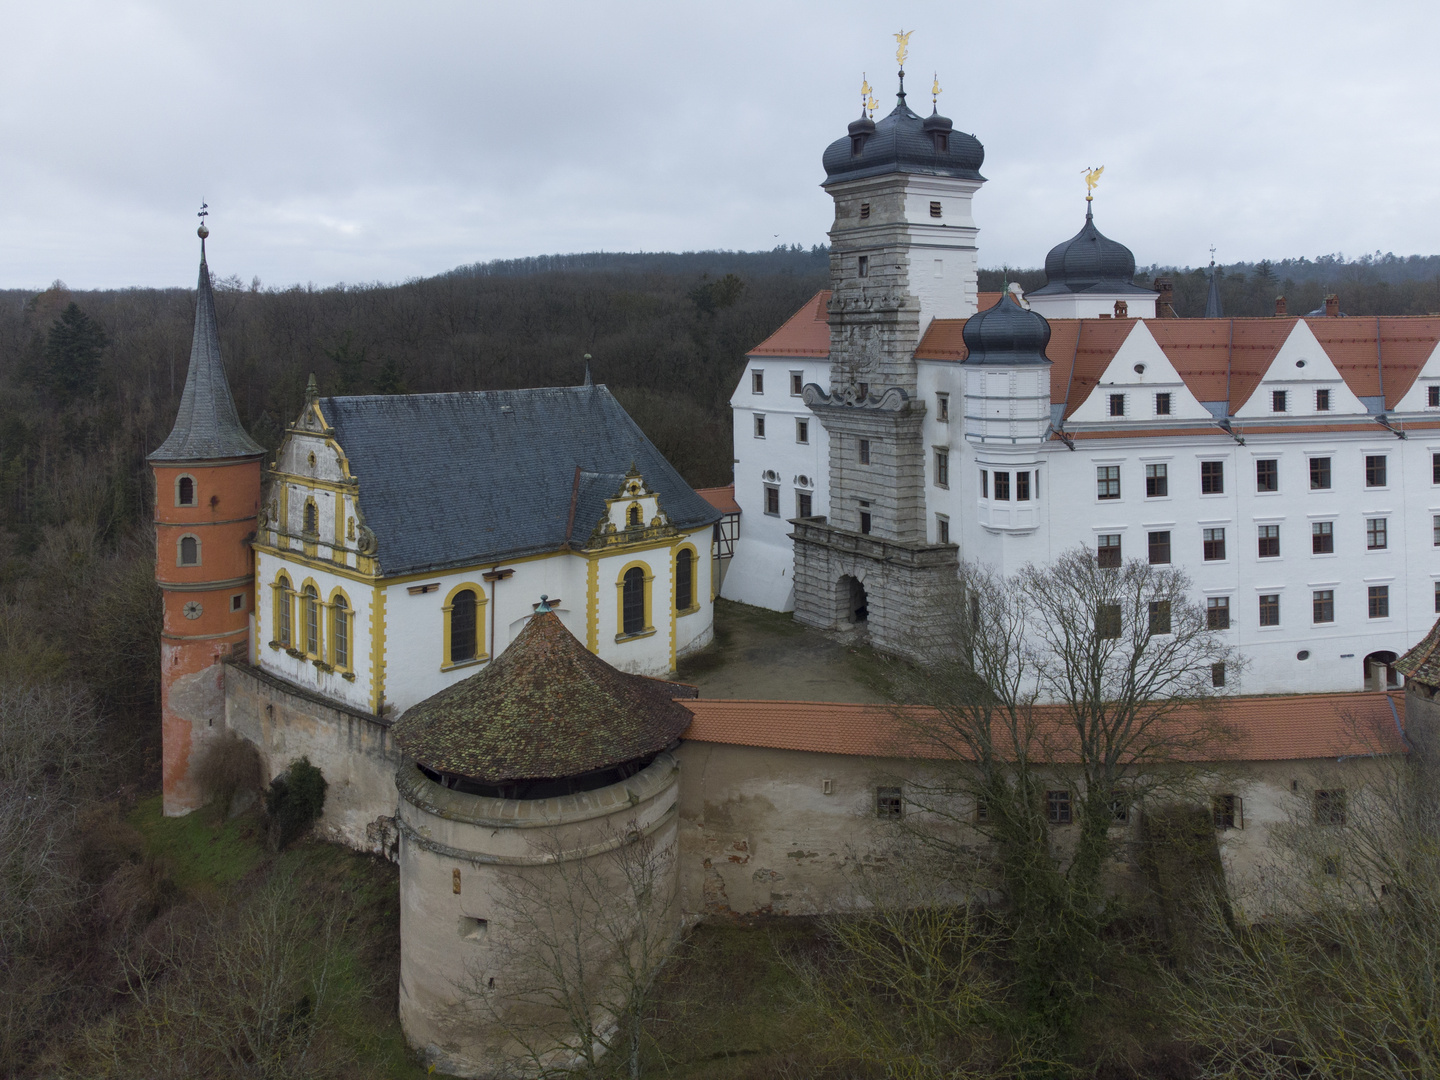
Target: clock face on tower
pixel 193 609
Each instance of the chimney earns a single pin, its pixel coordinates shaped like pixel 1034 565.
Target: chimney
pixel 1279 306
pixel 1332 306
pixel 1122 309
pixel 1165 302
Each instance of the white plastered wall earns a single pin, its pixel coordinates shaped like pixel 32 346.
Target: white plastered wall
pixel 1158 375
pixel 1300 367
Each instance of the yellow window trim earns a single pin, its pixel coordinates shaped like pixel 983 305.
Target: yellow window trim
pixel 333 615
pixel 319 651
pixel 482 654
pixel 283 605
pixel 649 623
pixel 695 604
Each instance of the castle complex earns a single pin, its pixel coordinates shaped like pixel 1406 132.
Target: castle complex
pixel 463 607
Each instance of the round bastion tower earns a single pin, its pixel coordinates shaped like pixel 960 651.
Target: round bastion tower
pixel 538 827
pixel 207 500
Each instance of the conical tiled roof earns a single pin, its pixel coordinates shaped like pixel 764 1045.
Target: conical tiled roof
pixel 1422 662
pixel 206 425
pixel 545 708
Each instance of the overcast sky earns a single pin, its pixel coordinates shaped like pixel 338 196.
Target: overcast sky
pixel 363 141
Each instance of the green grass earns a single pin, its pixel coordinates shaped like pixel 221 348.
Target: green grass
pixel 201 852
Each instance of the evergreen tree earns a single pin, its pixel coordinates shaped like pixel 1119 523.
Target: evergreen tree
pixel 72 354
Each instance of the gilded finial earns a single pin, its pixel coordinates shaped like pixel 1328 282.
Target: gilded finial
pixel 872 105
pixel 935 92
pixel 202 231
pixel 1092 177
pixel 903 50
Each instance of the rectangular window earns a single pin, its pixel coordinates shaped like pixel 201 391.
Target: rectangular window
pixel 1159 617
pixel 1375 539
pixel 1022 487
pixel 1212 477
pixel 759 425
pixel 1435 465
pixel 942 529
pixel 864 210
pixel 1226 811
pixel 797 383
pixel 237 602
pixel 864 451
pixel 864 265
pixel 1117 404
pixel 889 803
pixel 934 209
pixel 1269 609
pixel 803 504
pixel 1323 604
pixel 757 382
pixel 1435 397
pixel 1437 597
pixel 1057 807
pixel 1322 400
pixel 942 408
pixel 1157 481
pixel 1267 475
pixel 1002 486
pixel 1319 474
pixel 1269 541
pixel 1217 674
pixel 982 809
pixel 984 484
pixel 942 468
pixel 1107 549
pixel 772 500
pixel 1322 538
pixel 1162 404
pixel 1160 548
pixel 862 389
pixel 1277 400
pixel 1375 470
pixel 1107 481
pixel 1330 807
pixel 1435 524
pixel 1379 601
pixel 865 522
pixel 802 431
pixel 1217 613
pixel 1107 621
pixel 1214 545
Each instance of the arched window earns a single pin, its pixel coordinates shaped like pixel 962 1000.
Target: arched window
pixel 340 633
pixel 632 601
pixel 312 518
pixel 684 580
pixel 312 621
pixel 185 491
pixel 462 626
pixel 282 611
pixel 189 554
pixel 634 521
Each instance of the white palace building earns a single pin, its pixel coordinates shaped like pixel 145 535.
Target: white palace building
pixel 901 422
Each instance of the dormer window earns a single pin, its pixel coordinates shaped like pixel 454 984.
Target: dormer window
pixel 633 521
pixel 857 144
pixel 942 144
pixel 312 518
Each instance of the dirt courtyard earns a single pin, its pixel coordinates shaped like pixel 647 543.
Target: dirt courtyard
pixel 760 654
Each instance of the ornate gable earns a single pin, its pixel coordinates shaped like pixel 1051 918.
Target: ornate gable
pixel 633 515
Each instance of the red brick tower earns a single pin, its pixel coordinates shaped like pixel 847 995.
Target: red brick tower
pixel 207 499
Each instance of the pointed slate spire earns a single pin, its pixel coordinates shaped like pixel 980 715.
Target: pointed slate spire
pixel 1212 301
pixel 207 426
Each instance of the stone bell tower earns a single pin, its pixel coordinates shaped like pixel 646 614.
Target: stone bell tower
pixel 207 501
pixel 902 252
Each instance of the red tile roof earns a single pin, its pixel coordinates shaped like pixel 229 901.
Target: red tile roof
pixel 806 333
pixel 1290 728
pixel 721 498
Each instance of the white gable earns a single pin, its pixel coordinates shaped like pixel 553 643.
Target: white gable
pixel 1417 398
pixel 1140 370
pixel 1300 368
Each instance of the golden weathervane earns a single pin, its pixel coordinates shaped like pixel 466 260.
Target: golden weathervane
pixel 935 91
pixel 872 105
pixel 903 38
pixel 1092 177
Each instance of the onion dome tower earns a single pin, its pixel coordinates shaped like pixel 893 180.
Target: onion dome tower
pixel 1007 374
pixel 546 768
pixel 207 501
pixel 1091 275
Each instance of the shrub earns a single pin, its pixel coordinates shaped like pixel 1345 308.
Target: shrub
pixel 294 801
pixel 229 768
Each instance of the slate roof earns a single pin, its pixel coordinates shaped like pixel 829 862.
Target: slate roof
pixel 484 476
pixel 1090 262
pixel 1422 663
pixel 545 708
pixel 1006 333
pixel 902 143
pixel 207 426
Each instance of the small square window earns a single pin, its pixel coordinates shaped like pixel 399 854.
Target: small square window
pixel 1117 404
pixel 1379 601
pixel 1214 544
pixel 1226 811
pixel 1375 534
pixel 1108 623
pixel 889 803
pixel 1107 550
pixel 942 408
pixel 1107 481
pixel 864 210
pixel 1217 674
pixel 1322 538
pixel 1323 602
pixel 1277 400
pixel 1434 397
pixel 757 382
pixel 237 602
pixel 1212 477
pixel 1375 470
pixel 802 431
pixel 942 467
pixel 1002 486
pixel 1217 613
pixel 1330 807
pixel 759 425
pixel 864 265
pixel 1157 481
pixel 803 504
pixel 942 529
pixel 1160 548
pixel 1119 810
pixel 1162 404
pixel 1269 541
pixel 797 383
pixel 1267 475
pixel 982 809
pixel 1319 474
pixel 984 483
pixel 1159 617
pixel 864 451
pixel 1057 807
pixel 935 210
pixel 1269 609
pixel 772 500
pixel 1322 400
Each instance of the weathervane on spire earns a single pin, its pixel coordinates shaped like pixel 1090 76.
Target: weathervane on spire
pixel 864 92
pixel 203 231
pixel 1092 177
pixel 903 38
pixel 872 104
pixel 935 93
pixel 1212 254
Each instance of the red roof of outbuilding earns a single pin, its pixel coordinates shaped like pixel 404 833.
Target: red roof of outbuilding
pixel 721 498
